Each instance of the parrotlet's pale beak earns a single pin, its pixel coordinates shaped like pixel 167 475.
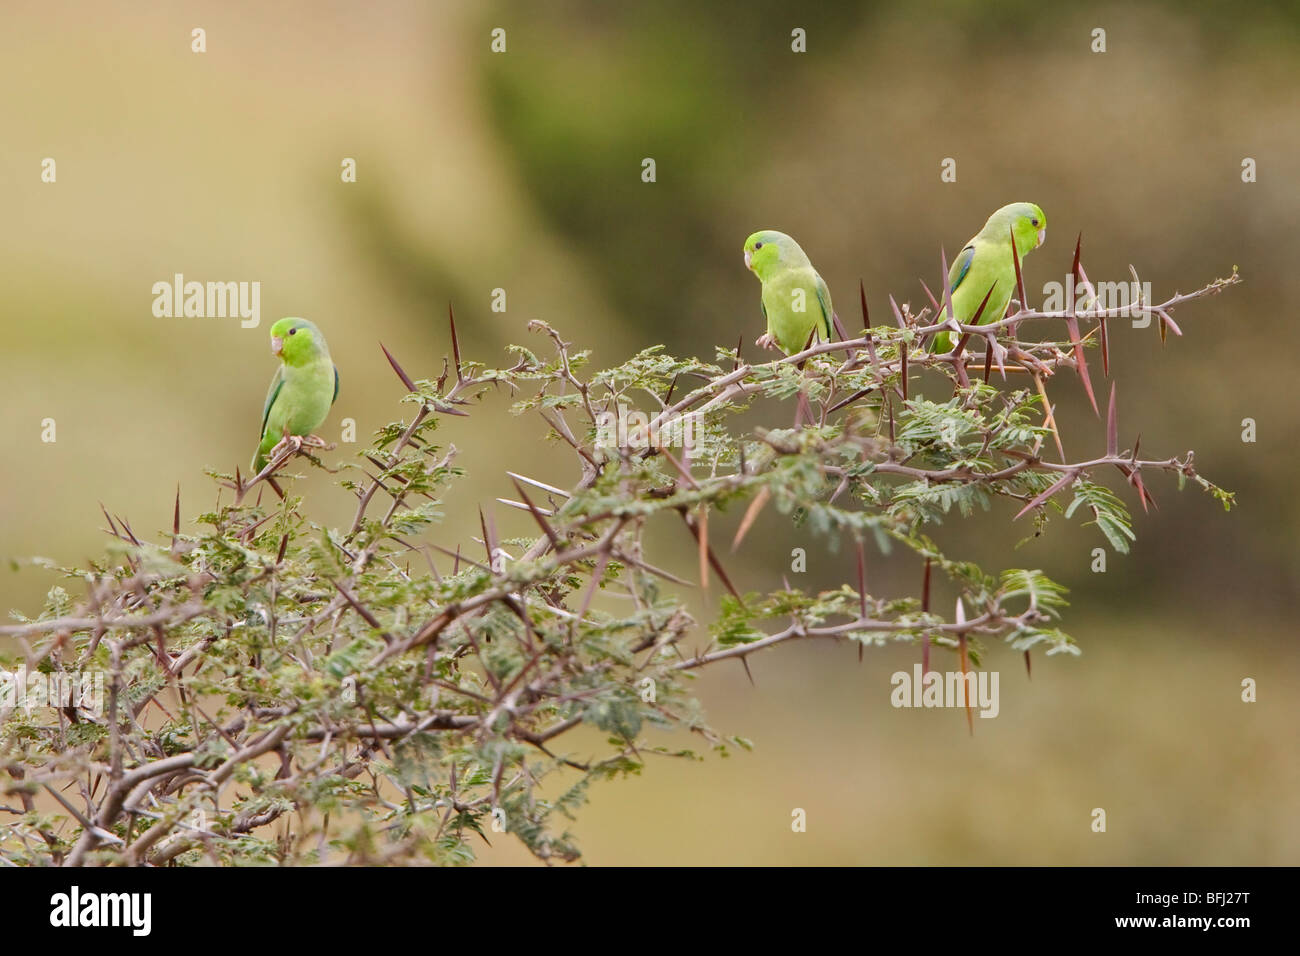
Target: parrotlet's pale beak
pixel 1042 235
pixel 277 345
pixel 749 260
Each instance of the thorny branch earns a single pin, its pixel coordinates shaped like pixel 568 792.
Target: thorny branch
pixel 282 691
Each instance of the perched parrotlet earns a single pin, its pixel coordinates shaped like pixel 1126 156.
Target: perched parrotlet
pixel 986 262
pixel 795 299
pixel 302 389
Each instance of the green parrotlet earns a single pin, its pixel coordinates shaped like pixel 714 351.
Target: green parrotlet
pixel 302 389
pixel 986 263
pixel 795 299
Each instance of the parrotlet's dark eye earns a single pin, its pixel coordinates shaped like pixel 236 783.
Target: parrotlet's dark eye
pixel 295 331
pixel 757 246
pixel 1034 223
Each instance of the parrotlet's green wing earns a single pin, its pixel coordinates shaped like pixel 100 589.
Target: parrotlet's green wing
pixel 960 267
pixel 277 382
pixel 824 299
pixel 957 273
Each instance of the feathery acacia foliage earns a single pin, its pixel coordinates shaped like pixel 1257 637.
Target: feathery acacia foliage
pixel 281 691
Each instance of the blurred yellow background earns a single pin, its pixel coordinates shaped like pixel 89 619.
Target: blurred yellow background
pixel 522 171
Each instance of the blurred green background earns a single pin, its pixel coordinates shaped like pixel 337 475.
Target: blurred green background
pixel 522 171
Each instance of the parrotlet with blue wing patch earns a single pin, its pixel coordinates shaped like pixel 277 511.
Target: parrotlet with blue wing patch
pixel 985 263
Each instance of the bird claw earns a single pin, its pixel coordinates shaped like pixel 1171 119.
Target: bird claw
pixel 297 443
pixel 766 341
pixel 285 448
